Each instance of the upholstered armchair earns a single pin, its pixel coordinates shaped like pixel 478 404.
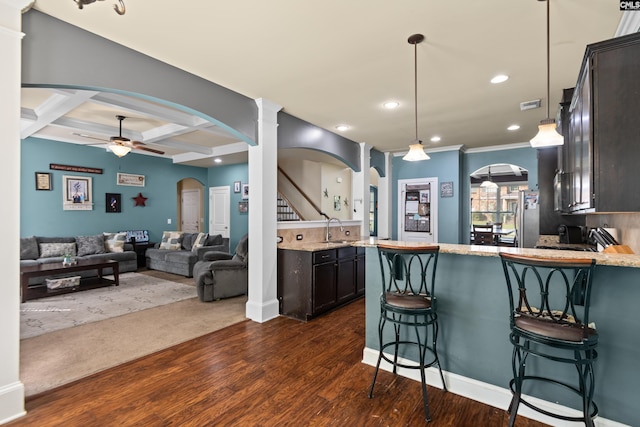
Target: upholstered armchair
pixel 222 275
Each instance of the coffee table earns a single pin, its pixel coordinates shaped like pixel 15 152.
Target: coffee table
pixel 59 270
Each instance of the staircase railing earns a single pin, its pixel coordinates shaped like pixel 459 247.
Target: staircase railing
pixel 302 193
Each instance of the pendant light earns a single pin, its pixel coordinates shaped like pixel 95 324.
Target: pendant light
pixel 416 151
pixel 547 135
pixel 488 183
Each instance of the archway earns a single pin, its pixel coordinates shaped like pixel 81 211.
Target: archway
pixel 496 193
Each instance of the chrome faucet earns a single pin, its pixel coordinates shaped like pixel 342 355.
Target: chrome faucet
pixel 328 235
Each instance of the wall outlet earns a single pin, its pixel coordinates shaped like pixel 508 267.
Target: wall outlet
pixel 168 220
pixel 298 236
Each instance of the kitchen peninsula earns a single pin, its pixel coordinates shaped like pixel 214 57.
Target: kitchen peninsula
pixel 473 341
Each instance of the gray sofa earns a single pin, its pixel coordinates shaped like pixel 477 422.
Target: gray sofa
pixel 181 261
pixel 221 275
pixel 41 250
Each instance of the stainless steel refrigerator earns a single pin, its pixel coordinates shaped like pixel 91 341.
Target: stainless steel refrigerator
pixel 527 219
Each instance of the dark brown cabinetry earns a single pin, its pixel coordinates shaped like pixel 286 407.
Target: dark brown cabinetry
pixel 313 282
pixel 601 155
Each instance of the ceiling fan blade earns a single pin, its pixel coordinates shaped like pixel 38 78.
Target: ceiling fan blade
pixel 151 150
pixel 84 135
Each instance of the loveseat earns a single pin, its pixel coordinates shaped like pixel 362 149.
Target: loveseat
pixel 178 252
pixel 41 250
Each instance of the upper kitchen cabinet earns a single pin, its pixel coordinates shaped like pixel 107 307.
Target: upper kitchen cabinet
pixel 601 155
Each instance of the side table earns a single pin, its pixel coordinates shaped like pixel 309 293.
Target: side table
pixel 141 249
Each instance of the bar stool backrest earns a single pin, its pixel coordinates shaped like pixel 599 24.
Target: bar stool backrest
pixel 556 291
pixel 409 270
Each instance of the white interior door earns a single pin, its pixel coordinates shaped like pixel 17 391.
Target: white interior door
pixel 418 210
pixel 190 201
pixel 219 213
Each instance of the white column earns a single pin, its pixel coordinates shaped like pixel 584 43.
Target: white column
pixel 360 192
pixel 262 304
pixel 385 202
pixel 11 389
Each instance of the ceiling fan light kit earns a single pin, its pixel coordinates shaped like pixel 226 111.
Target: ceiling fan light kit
pixel 547 135
pixel 119 150
pixel 120 145
pixel 416 150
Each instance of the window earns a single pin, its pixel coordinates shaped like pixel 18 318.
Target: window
pixel 495 205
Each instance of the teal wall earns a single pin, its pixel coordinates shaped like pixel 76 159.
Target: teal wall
pixel 456 166
pixel 41 212
pixel 446 167
pixel 220 176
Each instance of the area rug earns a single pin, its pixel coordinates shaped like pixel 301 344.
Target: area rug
pixel 136 292
pixel 51 360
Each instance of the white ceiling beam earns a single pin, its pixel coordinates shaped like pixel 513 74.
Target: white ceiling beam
pixel 54 107
pixel 141 106
pixel 224 150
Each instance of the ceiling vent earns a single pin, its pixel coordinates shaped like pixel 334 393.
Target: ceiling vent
pixel 529 105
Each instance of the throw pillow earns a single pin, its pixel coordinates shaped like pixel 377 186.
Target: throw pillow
pixel 114 242
pixel 89 245
pixel 171 240
pixel 29 248
pixel 214 240
pixel 199 241
pixel 49 250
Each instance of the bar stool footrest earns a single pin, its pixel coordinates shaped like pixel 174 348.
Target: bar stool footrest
pixel 544 411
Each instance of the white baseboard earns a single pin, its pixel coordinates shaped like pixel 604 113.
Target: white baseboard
pixel 262 312
pixel 11 402
pixel 488 394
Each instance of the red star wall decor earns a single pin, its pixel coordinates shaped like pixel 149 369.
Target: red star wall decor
pixel 140 200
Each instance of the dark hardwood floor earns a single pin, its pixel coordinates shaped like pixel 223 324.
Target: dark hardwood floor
pixel 280 373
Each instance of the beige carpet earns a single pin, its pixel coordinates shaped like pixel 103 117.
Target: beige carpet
pixel 56 358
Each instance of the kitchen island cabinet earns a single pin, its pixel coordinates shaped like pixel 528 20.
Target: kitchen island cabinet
pixel 319 277
pixel 473 344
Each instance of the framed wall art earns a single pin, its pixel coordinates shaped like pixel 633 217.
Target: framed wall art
pixel 236 186
pixel 112 202
pixel 245 191
pixel 76 193
pixel 43 181
pixel 446 189
pixel 130 179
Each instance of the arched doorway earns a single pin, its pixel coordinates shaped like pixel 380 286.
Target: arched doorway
pixel 496 192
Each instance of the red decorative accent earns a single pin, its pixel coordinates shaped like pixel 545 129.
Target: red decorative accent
pixel 140 200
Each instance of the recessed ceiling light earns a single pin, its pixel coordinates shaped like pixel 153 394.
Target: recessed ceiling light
pixel 217 160
pixel 390 105
pixel 342 128
pixel 435 138
pixel 513 127
pixel 500 78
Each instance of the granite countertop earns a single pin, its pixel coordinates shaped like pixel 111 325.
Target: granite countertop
pixel 316 246
pixel 618 260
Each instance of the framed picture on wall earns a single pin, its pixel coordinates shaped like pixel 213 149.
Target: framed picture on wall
pixel 236 186
pixel 112 202
pixel 43 181
pixel 446 189
pixel 245 191
pixel 76 193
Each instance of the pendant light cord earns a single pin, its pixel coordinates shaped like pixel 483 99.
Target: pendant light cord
pixel 548 61
pixel 415 86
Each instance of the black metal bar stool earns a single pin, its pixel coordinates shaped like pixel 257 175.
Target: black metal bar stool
pixel 408 302
pixel 549 311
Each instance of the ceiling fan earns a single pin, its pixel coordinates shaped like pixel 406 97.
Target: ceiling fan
pixel 120 145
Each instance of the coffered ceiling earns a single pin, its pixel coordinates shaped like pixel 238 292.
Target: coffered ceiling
pixel 330 63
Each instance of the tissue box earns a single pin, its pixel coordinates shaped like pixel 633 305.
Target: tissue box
pixel 63 282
